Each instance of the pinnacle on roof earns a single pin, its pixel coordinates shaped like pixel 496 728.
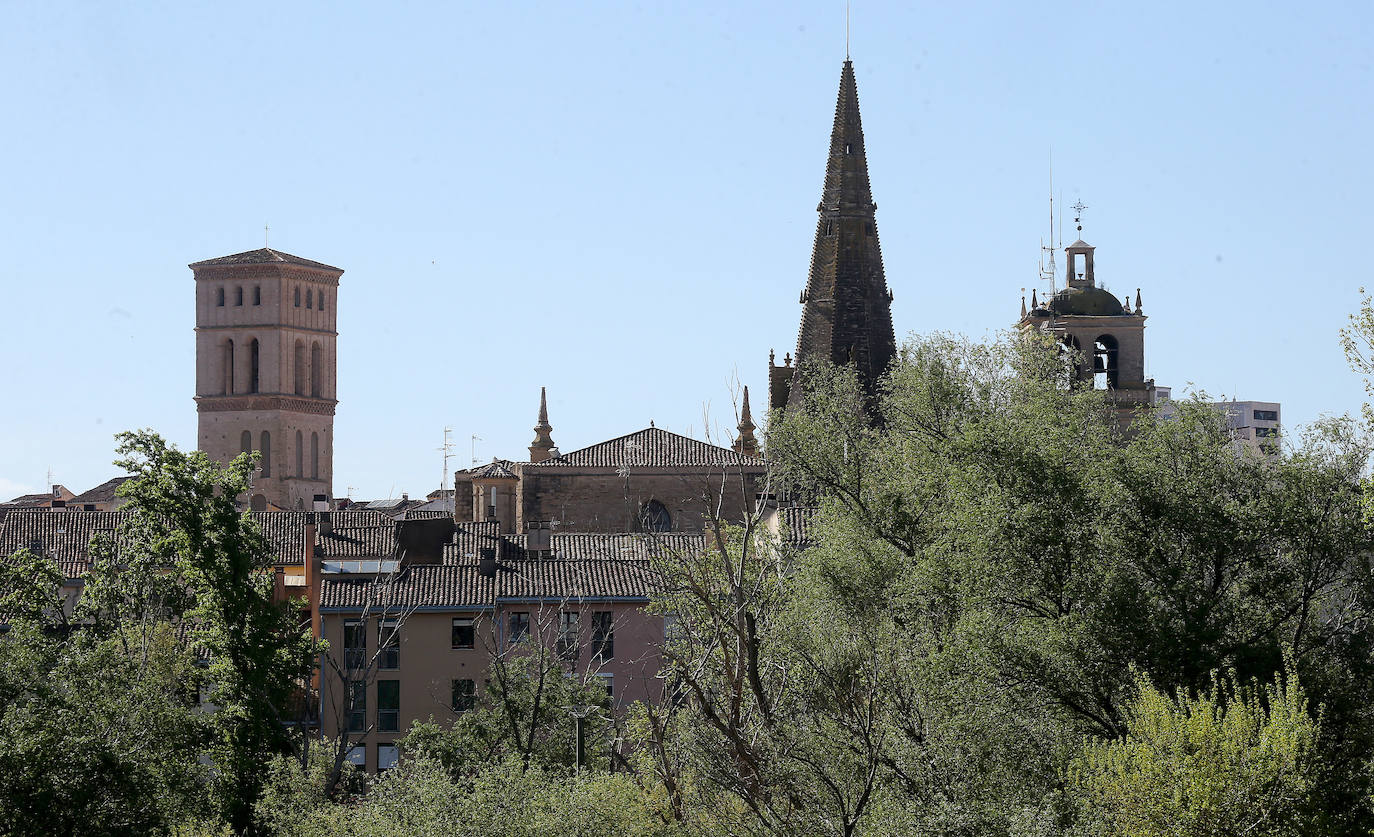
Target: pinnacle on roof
pixel 847 313
pixel 542 448
pixel 263 255
pixel 746 443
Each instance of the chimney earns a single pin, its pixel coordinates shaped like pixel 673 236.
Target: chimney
pixel 321 508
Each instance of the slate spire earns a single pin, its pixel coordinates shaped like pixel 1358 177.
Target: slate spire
pixel 846 313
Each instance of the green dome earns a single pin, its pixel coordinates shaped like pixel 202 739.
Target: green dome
pixel 1091 302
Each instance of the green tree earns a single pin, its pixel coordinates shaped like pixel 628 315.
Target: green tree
pixel 260 658
pixel 1232 760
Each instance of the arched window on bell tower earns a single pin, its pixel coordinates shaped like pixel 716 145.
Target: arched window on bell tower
pixel 254 360
pixel 300 455
pixel 316 370
pixel 266 447
pixel 227 384
pixel 246 441
pixel 298 367
pixel 314 456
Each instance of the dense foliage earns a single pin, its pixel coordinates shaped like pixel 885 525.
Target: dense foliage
pixel 1016 612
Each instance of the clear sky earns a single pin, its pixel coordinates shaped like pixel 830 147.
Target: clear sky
pixel 616 200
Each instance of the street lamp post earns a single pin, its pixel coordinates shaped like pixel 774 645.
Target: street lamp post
pixel 580 712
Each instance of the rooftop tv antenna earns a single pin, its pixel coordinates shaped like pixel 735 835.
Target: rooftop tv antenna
pixel 447 450
pixel 1048 269
pixel 475 439
pixel 264 235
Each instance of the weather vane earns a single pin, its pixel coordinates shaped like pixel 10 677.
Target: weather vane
pixel 1078 208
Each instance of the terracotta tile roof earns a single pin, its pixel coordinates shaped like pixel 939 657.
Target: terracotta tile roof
pixel 796 521
pixel 29 501
pixel 103 493
pixel 652 447
pixel 496 469
pixel 62 535
pixel 264 255
pixel 456 586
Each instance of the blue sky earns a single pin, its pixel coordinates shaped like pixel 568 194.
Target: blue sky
pixel 616 201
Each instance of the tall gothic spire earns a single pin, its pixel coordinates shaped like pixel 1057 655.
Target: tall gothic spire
pixel 846 314
pixel 541 449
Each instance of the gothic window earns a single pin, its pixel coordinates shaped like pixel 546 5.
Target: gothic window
pixel 314 456
pixel 238 295
pixel 246 441
pixel 298 297
pixel 266 447
pixel 257 294
pixel 298 367
pixel 316 354
pixel 228 382
pixel 300 455
pixel 321 300
pixel 219 297
pixel 253 360
pixel 309 298
pixel 654 517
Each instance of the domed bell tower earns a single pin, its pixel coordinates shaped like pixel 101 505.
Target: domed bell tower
pixel 1106 333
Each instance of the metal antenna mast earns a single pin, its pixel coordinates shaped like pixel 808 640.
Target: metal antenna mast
pixel 447 450
pixel 475 440
pixel 1048 271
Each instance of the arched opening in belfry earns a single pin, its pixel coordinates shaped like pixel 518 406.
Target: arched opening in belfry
pixel 297 297
pixel 316 361
pixel 309 298
pixel 1072 352
pixel 219 297
pixel 265 445
pixel 227 381
pixel 246 441
pixel 257 294
pixel 238 295
pixel 300 455
pixel 314 456
pixel 1106 372
pixel 254 358
pixel 298 367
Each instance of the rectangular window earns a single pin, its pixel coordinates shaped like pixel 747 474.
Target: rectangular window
pixel 388 705
pixel 609 681
pixel 357 706
pixel 388 643
pixel 464 695
pixel 1266 415
pixel 357 756
pixel 568 645
pixel 355 644
pixel 1265 432
pixel 387 756
pixel 519 627
pixel 603 635
pixel 464 634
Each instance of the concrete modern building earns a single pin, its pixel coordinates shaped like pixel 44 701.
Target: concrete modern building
pixel 266 359
pixel 1255 425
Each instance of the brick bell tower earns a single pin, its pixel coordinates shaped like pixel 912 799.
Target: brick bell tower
pixel 266 335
